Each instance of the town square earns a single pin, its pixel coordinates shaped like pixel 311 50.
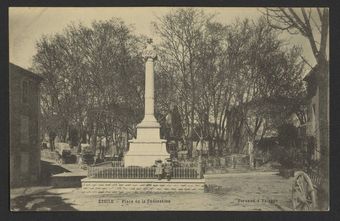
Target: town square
pixel 169 109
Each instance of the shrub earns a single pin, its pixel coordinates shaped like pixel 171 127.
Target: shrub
pixel 290 154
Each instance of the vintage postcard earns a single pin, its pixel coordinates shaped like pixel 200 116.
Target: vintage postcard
pixel 169 109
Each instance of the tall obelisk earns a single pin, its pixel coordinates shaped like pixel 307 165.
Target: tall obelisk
pixel 148 146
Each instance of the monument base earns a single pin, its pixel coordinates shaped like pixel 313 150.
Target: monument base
pixel 148 147
pixel 144 153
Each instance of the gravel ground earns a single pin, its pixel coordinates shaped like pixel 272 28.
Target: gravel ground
pixel 256 192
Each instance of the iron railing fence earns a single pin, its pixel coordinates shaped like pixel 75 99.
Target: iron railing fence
pixel 187 163
pixel 230 161
pixel 104 164
pixel 118 163
pixel 316 176
pixel 185 173
pixel 138 173
pixel 110 164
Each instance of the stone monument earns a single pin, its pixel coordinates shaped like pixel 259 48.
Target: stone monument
pixel 143 152
pixel 148 146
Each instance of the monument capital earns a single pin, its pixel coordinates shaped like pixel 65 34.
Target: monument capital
pixel 149 51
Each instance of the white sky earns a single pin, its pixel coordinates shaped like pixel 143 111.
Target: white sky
pixel 28 24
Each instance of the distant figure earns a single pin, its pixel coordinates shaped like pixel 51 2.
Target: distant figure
pixel 251 153
pixel 159 169
pixel 234 162
pixel 101 151
pixel 44 145
pixel 99 159
pixel 168 169
pixel 52 135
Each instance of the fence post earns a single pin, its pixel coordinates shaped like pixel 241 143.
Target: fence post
pixel 199 167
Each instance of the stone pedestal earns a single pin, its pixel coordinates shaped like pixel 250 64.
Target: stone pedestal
pixel 148 147
pixel 145 153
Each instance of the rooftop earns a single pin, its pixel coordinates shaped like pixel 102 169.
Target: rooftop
pixel 17 69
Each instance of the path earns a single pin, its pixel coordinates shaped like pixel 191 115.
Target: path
pixel 261 192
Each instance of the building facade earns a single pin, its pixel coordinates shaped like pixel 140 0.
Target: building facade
pixel 317 111
pixel 24 95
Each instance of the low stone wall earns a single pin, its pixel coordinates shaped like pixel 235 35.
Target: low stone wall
pixel 107 186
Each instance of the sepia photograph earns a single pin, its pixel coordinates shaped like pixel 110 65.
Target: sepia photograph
pixel 169 109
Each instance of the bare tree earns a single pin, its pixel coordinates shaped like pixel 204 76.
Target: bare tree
pixel 259 69
pixel 181 33
pixel 232 67
pixel 91 71
pixel 312 23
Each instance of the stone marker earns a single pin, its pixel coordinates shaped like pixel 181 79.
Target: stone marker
pixel 147 147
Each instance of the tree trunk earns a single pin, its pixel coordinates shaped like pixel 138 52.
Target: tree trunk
pixel 80 139
pixel 324 124
pixel 94 138
pixel 52 141
pixel 107 144
pixel 84 137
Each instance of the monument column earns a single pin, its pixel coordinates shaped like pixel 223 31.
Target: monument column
pixel 147 147
pixel 150 56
